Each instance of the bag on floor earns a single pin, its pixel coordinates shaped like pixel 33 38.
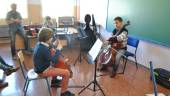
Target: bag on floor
pixel 162 77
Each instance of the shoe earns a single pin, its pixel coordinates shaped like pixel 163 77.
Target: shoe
pixel 55 83
pixel 67 93
pixel 10 71
pixel 113 74
pixel 3 84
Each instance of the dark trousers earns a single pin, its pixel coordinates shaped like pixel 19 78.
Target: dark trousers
pixel 13 39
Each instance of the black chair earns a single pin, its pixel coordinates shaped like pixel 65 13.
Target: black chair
pixel 133 42
pixel 30 75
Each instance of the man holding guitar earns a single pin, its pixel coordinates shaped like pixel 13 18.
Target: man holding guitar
pixel 119 42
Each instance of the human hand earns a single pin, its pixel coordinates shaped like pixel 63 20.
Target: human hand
pixel 17 21
pixel 59 47
pixel 56 42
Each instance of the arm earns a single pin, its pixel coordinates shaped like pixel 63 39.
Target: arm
pixel 122 37
pixel 19 19
pixel 51 58
pixel 9 20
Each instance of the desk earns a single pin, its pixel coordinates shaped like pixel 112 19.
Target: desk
pixel 32 40
pixel 68 34
pixel 19 42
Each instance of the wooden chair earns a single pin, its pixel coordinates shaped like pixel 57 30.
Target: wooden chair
pixel 29 75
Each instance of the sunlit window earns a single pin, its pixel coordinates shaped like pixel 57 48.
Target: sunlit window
pixel 96 7
pixel 21 7
pixel 57 8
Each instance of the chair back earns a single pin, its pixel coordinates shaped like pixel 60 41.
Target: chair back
pixel 133 42
pixel 22 63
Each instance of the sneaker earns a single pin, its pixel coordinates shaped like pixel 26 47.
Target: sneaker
pixel 67 93
pixel 10 66
pixel 3 84
pixel 10 71
pixel 55 83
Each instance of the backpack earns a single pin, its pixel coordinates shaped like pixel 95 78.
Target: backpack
pixel 162 77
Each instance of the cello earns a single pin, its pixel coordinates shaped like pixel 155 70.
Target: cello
pixel 62 64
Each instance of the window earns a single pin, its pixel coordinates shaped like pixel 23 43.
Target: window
pixel 96 7
pixel 57 8
pixel 5 7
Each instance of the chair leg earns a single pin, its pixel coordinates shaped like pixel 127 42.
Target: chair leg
pixel 48 85
pixel 26 87
pixel 136 63
pixel 124 65
pixel 124 61
pixel 25 84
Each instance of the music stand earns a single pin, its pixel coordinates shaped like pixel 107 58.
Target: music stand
pixel 83 36
pixel 92 55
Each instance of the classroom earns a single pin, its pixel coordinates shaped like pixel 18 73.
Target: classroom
pixel 84 48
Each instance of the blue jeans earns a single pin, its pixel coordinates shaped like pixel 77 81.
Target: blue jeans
pixel 13 39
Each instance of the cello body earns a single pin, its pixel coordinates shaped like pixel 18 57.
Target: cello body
pixel 61 63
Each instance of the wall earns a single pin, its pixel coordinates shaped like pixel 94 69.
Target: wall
pixel 144 26
pixel 159 55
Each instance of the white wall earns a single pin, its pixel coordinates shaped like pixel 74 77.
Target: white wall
pixel 159 55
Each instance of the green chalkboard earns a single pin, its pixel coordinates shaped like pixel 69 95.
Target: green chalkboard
pixel 150 19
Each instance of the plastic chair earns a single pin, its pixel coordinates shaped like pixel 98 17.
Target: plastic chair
pixel 133 42
pixel 29 75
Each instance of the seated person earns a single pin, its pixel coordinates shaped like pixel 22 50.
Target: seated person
pixel 5 69
pixel 43 60
pixel 48 23
pixel 120 36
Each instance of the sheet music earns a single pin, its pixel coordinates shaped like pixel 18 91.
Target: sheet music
pixel 94 51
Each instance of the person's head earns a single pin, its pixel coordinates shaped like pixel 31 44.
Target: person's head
pixel 47 18
pixel 13 7
pixel 45 35
pixel 87 18
pixel 118 21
